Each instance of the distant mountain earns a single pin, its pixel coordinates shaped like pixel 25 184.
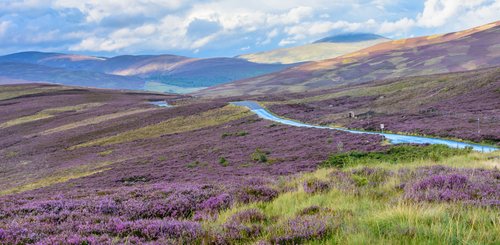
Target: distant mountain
pixel 165 73
pixel 460 51
pixel 350 38
pixel 326 48
pixel 29 73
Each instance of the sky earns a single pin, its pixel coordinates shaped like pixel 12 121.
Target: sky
pixel 227 28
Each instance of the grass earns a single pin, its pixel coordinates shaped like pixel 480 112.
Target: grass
pixel 405 93
pixel 60 176
pixel 47 113
pixel 10 92
pixel 379 215
pixel 396 154
pixel 175 125
pixel 94 120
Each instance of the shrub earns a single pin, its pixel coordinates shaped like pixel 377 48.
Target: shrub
pixel 252 215
pixel 238 231
pixel 311 210
pixel 256 193
pixel 241 133
pixel 395 154
pixel 373 176
pixel 475 187
pixel 259 155
pixel 193 164
pixel 315 186
pixel 223 162
pixel 300 229
pixel 217 203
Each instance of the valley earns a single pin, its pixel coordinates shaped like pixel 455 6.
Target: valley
pixel 351 139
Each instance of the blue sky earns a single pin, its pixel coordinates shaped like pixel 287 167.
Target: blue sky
pixel 220 27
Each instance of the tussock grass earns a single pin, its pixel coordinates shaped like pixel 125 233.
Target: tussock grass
pixel 60 176
pixel 47 113
pixel 379 215
pixel 13 91
pixel 175 125
pixel 95 120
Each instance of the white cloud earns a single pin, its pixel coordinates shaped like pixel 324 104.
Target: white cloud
pixel 286 41
pixel 96 10
pixel 402 25
pixel 445 15
pixel 317 29
pixel 169 25
pixel 4 25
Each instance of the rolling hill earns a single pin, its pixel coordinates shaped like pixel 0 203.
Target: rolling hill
pixel 164 73
pixel 29 73
pixel 461 105
pixel 326 48
pixel 460 51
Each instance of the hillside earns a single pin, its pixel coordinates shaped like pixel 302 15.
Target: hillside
pixel 461 51
pixel 163 73
pixel 461 105
pixel 102 166
pixel 29 73
pixel 326 48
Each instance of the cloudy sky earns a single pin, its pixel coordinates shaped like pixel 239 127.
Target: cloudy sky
pixel 220 27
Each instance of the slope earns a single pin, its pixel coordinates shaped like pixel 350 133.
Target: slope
pixel 326 48
pixel 38 73
pixel 461 51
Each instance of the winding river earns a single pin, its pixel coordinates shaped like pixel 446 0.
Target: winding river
pixel 393 138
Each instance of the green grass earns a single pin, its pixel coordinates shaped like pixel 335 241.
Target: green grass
pixel 47 113
pixel 95 120
pixel 13 91
pixel 175 125
pixel 59 176
pixel 379 215
pixel 396 154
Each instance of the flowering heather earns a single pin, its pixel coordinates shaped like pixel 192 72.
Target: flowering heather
pixel 374 176
pixel 445 105
pixel 217 203
pixel 256 193
pixel 236 231
pixel 315 186
pixel 248 216
pixel 311 210
pixel 475 187
pixel 300 229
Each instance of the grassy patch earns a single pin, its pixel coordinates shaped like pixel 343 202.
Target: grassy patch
pixel 60 176
pixel 372 213
pixel 105 153
pixel 223 161
pixel 260 155
pixel 175 125
pixel 396 154
pixel 236 134
pixel 10 92
pixel 47 113
pixel 95 120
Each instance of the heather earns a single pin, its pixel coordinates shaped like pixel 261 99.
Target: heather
pixel 237 180
pixel 383 203
pixel 461 105
pixel 415 202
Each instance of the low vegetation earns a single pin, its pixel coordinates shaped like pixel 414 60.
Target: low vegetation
pixel 395 154
pixel 452 199
pixel 175 125
pixel 47 113
pixel 95 120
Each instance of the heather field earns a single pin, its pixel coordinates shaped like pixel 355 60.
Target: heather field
pixel 90 166
pixel 461 105
pixel 224 122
